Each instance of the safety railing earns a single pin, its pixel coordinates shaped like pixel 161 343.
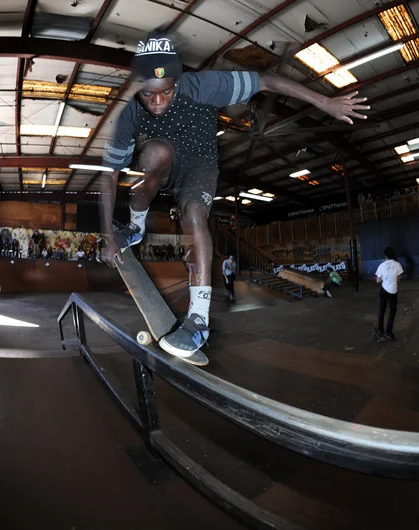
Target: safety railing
pixel 377 451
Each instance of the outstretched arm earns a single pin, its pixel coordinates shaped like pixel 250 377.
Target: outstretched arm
pixel 342 108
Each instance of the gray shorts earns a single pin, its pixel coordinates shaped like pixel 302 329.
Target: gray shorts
pixel 192 179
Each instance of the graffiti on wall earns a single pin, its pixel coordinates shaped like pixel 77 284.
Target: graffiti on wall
pixel 56 239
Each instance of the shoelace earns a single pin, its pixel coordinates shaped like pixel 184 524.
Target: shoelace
pixel 192 327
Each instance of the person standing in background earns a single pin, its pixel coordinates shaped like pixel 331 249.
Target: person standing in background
pixel 229 272
pixel 388 275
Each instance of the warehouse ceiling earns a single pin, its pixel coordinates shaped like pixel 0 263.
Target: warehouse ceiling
pixel 64 77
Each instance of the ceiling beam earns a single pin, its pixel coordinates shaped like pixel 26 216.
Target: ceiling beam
pixel 60 50
pixel 179 17
pixel 251 27
pixel 18 112
pixel 355 20
pixel 95 24
pixel 385 75
pixel 26 28
pixel 392 132
pixel 92 180
pixel 25 161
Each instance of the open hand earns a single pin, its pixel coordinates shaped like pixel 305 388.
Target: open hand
pixel 343 108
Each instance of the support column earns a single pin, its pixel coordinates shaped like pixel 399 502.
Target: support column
pixel 237 213
pixel 353 245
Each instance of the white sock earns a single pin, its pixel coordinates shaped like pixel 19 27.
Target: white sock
pixel 200 300
pixel 138 218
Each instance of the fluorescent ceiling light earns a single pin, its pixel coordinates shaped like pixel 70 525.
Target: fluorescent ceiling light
pixel 49 130
pixel 58 119
pixel 414 141
pixel 417 180
pixel 44 178
pixel 402 149
pixel 230 198
pixel 246 201
pixel 255 191
pixel 319 59
pixel 220 133
pixel 409 158
pixel 92 168
pixel 370 57
pixel 138 184
pixel 341 79
pixel 255 197
pixel 269 195
pixel 217 198
pixel 300 173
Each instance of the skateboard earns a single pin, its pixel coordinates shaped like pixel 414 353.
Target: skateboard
pixel 378 337
pixel 157 314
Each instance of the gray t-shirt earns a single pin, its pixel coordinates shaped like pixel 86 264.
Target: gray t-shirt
pixel 190 123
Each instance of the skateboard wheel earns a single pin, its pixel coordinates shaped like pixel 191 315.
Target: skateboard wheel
pixel 144 338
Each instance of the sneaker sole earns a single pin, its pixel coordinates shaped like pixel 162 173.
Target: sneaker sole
pixel 168 348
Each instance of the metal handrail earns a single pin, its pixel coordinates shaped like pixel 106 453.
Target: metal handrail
pixel 353 446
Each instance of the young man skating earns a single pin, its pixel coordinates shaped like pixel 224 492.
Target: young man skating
pixel 171 125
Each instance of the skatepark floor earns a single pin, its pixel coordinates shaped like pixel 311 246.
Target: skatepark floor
pixel 70 460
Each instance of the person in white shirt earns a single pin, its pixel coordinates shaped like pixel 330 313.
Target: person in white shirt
pixel 388 275
pixel 80 254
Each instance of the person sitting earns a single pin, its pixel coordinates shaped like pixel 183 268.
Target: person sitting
pixel 6 247
pixel 50 253
pixel 80 254
pixel 92 254
pixel 15 248
pixel 44 253
pixel 62 254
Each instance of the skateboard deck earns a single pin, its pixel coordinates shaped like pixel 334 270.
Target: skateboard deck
pixel 157 314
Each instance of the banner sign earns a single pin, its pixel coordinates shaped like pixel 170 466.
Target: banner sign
pixel 316 267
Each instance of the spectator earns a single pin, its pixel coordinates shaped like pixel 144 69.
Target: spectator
pixel 92 254
pixel 156 251
pixel 191 265
pixel 177 248
pixel 181 252
pixel 163 253
pixel 1 246
pixel 36 238
pixel 31 249
pixel 150 252
pixel 170 252
pixel 6 247
pixel 229 272
pixel 15 248
pixel 44 254
pixel 62 254
pixel 49 253
pixel 80 254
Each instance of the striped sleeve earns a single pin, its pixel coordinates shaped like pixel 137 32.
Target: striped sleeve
pixel 220 89
pixel 119 150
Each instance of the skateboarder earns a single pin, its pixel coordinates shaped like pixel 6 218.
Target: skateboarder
pixel 229 273
pixel 388 275
pixel 171 124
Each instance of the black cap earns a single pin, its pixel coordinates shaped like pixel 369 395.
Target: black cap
pixel 157 59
